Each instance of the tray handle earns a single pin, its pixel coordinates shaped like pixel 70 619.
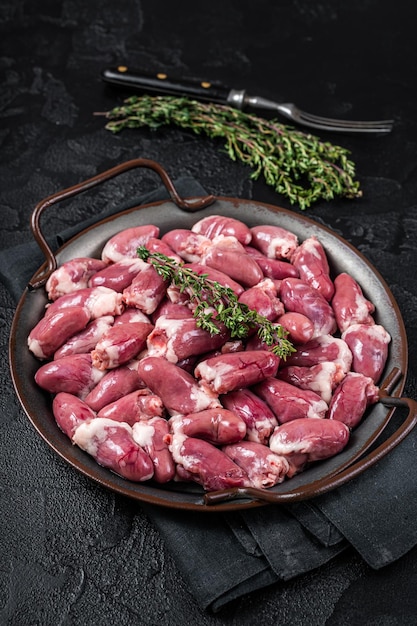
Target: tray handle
pixel 337 480
pixel 189 205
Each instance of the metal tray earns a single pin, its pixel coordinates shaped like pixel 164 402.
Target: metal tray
pixel 364 448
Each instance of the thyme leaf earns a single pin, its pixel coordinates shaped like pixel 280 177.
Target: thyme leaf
pixel 213 302
pixel 296 164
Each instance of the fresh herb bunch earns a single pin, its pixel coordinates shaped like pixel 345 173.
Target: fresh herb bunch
pixel 297 165
pixel 214 302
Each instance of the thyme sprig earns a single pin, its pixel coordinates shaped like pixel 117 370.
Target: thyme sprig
pixel 296 164
pixel 212 302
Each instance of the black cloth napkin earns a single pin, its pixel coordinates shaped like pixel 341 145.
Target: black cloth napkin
pixel 224 556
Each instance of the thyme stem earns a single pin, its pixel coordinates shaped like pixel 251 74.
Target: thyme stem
pixel 296 164
pixel 214 302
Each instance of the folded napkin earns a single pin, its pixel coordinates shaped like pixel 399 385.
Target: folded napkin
pixel 226 555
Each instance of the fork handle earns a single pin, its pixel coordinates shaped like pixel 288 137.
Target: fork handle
pixel 161 83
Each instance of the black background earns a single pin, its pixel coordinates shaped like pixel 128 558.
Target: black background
pixel 71 553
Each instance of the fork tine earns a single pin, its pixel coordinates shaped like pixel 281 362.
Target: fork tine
pixel 376 124
pixel 289 110
pixel 346 123
pixel 325 123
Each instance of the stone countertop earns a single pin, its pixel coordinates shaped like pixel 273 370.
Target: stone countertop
pixel 72 552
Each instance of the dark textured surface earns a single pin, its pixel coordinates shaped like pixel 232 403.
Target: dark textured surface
pixel 72 553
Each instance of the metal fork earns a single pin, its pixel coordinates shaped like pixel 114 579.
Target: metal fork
pixel 240 100
pixel 208 91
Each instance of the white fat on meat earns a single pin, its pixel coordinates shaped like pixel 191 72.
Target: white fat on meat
pixel 321 378
pixel 343 356
pixel 323 383
pixel 361 306
pixel 280 247
pixel 104 301
pixel 147 301
pixel 376 331
pixel 172 329
pixel 203 399
pixel 96 376
pixel 66 283
pixel 103 324
pixel 35 347
pixel 131 315
pixel 260 430
pixel 301 447
pixel 111 350
pixel 258 476
pixel 89 435
pixel 266 471
pixel 213 375
pixel 143 433
pixel 316 409
pixel 371 332
pixel 228 241
pixel 310 246
pixel 175 447
pixel 263 467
